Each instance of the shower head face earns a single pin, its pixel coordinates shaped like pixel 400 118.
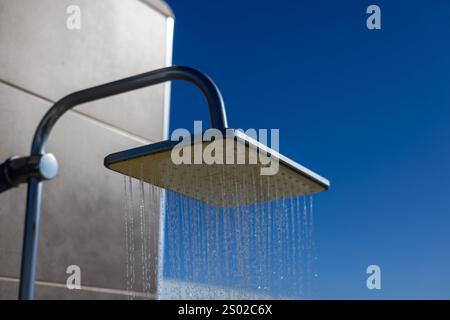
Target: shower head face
pixel 225 183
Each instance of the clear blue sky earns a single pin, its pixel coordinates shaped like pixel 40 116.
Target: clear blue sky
pixel 370 110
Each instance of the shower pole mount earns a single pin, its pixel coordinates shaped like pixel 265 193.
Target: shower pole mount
pixel 17 170
pixel 41 166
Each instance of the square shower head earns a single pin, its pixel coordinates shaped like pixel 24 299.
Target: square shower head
pixel 237 181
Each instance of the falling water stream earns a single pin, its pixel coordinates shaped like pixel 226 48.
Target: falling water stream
pixel 261 250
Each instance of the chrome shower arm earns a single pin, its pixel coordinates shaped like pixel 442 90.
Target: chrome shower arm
pixel 34 195
pixel 203 82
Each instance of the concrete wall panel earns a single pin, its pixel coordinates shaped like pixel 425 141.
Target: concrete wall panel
pixel 117 39
pixel 41 60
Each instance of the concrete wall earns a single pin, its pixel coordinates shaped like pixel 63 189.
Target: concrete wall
pixel 41 60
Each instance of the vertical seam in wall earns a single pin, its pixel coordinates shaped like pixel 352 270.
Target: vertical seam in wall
pixel 167 86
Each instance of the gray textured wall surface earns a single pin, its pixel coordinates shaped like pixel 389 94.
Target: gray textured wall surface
pixel 41 61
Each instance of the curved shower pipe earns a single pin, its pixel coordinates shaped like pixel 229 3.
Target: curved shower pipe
pixel 40 166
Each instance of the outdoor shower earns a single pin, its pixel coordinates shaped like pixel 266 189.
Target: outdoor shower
pixel 152 162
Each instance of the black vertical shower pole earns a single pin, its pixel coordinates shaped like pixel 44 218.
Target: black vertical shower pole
pixel 41 166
